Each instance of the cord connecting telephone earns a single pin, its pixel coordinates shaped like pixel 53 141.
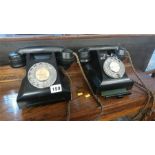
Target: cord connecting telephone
pixel 45 81
pixel 105 70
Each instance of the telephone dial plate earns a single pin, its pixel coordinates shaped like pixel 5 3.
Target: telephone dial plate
pixel 114 67
pixel 42 75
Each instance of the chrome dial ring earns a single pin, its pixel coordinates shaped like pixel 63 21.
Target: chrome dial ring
pixel 114 68
pixel 42 75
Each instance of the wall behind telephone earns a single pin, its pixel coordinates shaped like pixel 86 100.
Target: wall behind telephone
pixel 141 47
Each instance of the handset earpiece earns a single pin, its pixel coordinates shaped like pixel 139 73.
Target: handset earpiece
pixel 65 58
pixel 84 55
pixel 17 60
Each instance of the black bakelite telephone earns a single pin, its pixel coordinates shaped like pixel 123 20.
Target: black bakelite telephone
pixel 105 70
pixel 45 82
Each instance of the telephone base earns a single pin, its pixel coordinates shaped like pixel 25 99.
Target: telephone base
pixel 119 93
pixel 54 98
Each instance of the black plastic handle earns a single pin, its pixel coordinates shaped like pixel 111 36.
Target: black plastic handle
pixel 39 50
pixel 102 48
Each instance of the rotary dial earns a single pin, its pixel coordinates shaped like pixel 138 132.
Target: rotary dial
pixel 42 75
pixel 114 67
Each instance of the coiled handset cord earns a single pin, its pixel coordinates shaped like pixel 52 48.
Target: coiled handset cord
pixel 88 84
pixel 142 112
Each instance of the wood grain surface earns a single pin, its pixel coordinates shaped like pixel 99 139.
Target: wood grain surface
pixel 82 108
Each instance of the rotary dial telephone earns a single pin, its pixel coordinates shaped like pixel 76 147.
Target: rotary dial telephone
pixel 105 70
pixel 45 81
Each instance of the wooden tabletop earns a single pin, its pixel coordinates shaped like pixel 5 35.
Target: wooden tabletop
pixel 82 108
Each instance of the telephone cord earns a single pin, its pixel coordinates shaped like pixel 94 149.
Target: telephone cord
pixel 147 90
pixel 88 84
pixel 68 113
pixel 142 112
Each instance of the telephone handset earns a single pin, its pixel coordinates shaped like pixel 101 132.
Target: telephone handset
pixel 105 70
pixel 45 81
